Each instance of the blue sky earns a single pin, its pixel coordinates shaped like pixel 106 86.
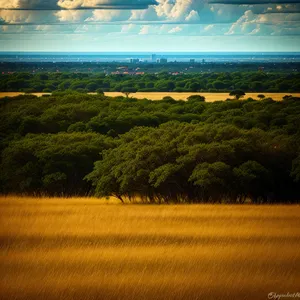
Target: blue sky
pixel 150 25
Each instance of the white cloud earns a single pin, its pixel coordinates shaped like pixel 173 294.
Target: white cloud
pixel 144 29
pixel 179 10
pixel 28 4
pixel 108 15
pixel 73 4
pixel 23 17
pixel 192 16
pixel 209 27
pixel 130 28
pixel 71 16
pixel 175 30
pixel 168 17
pixel 144 15
pixel 244 24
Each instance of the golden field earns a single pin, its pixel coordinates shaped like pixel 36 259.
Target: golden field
pixel 210 97
pixel 92 249
pixel 14 94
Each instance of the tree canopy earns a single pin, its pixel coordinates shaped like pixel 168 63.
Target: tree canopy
pixel 158 151
pixel 209 81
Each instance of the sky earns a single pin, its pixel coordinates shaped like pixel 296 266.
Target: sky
pixel 150 25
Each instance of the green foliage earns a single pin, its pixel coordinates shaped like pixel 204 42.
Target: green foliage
pixel 261 96
pixel 196 98
pixel 169 99
pixel 253 179
pixel 296 169
pixel 209 81
pixel 128 90
pixel 237 94
pixel 52 164
pixel 100 91
pixel 159 151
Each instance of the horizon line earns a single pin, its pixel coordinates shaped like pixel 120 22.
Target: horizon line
pixel 145 52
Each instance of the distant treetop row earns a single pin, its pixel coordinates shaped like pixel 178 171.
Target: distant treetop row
pixel 258 82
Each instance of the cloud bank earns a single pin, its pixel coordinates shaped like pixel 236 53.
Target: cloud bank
pixel 105 19
pixel 74 4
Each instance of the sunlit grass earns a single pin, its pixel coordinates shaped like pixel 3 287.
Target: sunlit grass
pixel 54 248
pixel 210 97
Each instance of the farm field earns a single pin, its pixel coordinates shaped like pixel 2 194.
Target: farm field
pixel 210 97
pixel 14 94
pixel 94 249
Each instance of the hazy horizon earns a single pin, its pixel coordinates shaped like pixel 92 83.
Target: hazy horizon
pixel 146 57
pixel 159 52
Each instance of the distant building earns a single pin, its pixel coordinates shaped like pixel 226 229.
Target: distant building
pixel 203 61
pixel 192 60
pixel 134 60
pixel 163 60
pixel 153 58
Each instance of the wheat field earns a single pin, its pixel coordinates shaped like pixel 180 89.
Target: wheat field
pixel 210 97
pixel 54 248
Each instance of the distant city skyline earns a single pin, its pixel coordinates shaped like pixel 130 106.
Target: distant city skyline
pixel 140 58
pixel 150 26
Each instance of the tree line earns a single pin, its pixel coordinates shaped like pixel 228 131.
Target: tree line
pixel 158 151
pixel 162 82
pixel 149 68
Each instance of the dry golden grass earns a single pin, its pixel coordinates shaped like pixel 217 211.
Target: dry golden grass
pixel 89 249
pixel 14 94
pixel 210 97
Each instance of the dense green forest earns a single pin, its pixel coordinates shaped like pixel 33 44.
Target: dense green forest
pixel 160 151
pixel 257 81
pixel 148 67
